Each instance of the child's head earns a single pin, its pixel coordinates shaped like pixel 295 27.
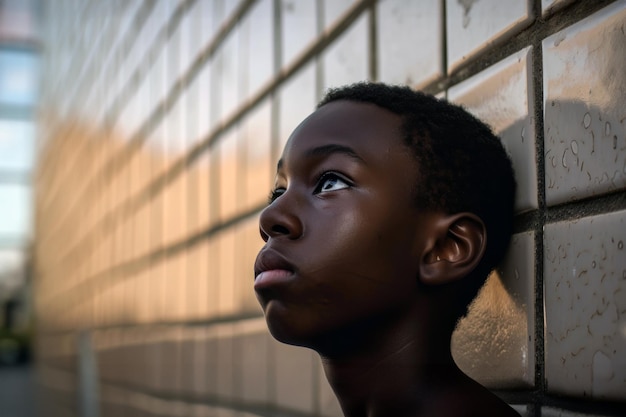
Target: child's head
pixel 462 166
pixel 385 200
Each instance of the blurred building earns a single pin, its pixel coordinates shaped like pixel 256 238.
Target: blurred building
pixel 19 81
pixel 161 122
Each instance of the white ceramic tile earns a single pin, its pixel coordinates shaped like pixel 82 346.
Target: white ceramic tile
pixel 257 166
pixel 257 47
pixel 167 408
pixel 585 306
pixel 200 193
pixel 522 410
pixel 225 283
pixel 199 111
pixel 188 360
pixel 328 403
pixel 555 412
pixel 203 350
pixel 176 287
pixel 253 340
pixel 334 9
pixel 502 96
pixel 294 370
pixel 585 127
pixel 175 209
pixel 346 60
pixel 401 24
pixel 226 73
pixel 225 364
pixel 201 25
pixel 298 97
pixel 248 243
pixel 474 26
pixel 299 27
pixel 196 281
pixel 494 343
pixel 228 172
pixel 171 360
pixel 200 410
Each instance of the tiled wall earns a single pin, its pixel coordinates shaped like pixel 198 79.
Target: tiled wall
pixel 162 121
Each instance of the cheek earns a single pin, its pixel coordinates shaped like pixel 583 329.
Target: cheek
pixel 370 246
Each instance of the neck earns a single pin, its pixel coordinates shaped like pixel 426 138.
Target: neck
pixel 394 368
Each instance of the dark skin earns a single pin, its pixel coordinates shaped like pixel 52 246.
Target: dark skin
pixel 346 258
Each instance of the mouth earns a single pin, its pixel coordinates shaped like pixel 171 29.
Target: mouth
pixel 271 269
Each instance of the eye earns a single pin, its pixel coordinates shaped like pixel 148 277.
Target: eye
pixel 274 194
pixel 329 181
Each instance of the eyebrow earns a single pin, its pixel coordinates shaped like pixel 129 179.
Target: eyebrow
pixel 326 150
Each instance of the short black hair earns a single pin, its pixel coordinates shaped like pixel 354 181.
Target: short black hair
pixel 462 166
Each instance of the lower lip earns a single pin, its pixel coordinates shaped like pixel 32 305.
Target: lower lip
pixel 272 277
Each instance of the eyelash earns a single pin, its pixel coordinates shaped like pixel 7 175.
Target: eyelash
pixel 326 176
pixel 274 194
pixel 277 192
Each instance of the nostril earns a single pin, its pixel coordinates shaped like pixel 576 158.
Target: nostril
pixel 280 230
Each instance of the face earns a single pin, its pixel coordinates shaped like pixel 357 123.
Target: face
pixel 343 236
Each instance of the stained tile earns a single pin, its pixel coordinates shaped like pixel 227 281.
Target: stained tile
pixel 502 96
pixel 401 24
pixel 585 324
pixel 474 26
pixel 346 60
pixel 584 124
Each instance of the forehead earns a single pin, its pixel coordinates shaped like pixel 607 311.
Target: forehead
pixel 371 131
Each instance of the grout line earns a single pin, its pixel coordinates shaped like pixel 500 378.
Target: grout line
pixel 536 83
pixel 373 45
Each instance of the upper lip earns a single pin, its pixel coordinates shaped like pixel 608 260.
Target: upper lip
pixel 269 259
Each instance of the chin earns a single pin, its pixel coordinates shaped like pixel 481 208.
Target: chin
pixel 288 329
pixel 289 335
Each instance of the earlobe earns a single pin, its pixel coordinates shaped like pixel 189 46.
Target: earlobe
pixel 456 247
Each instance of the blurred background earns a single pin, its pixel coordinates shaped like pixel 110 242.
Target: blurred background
pixel 138 142
pixel 20 59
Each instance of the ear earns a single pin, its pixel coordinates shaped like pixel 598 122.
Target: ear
pixel 456 246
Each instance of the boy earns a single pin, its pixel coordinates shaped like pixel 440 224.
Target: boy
pixel 389 211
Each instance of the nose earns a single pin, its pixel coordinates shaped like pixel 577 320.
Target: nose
pixel 279 219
